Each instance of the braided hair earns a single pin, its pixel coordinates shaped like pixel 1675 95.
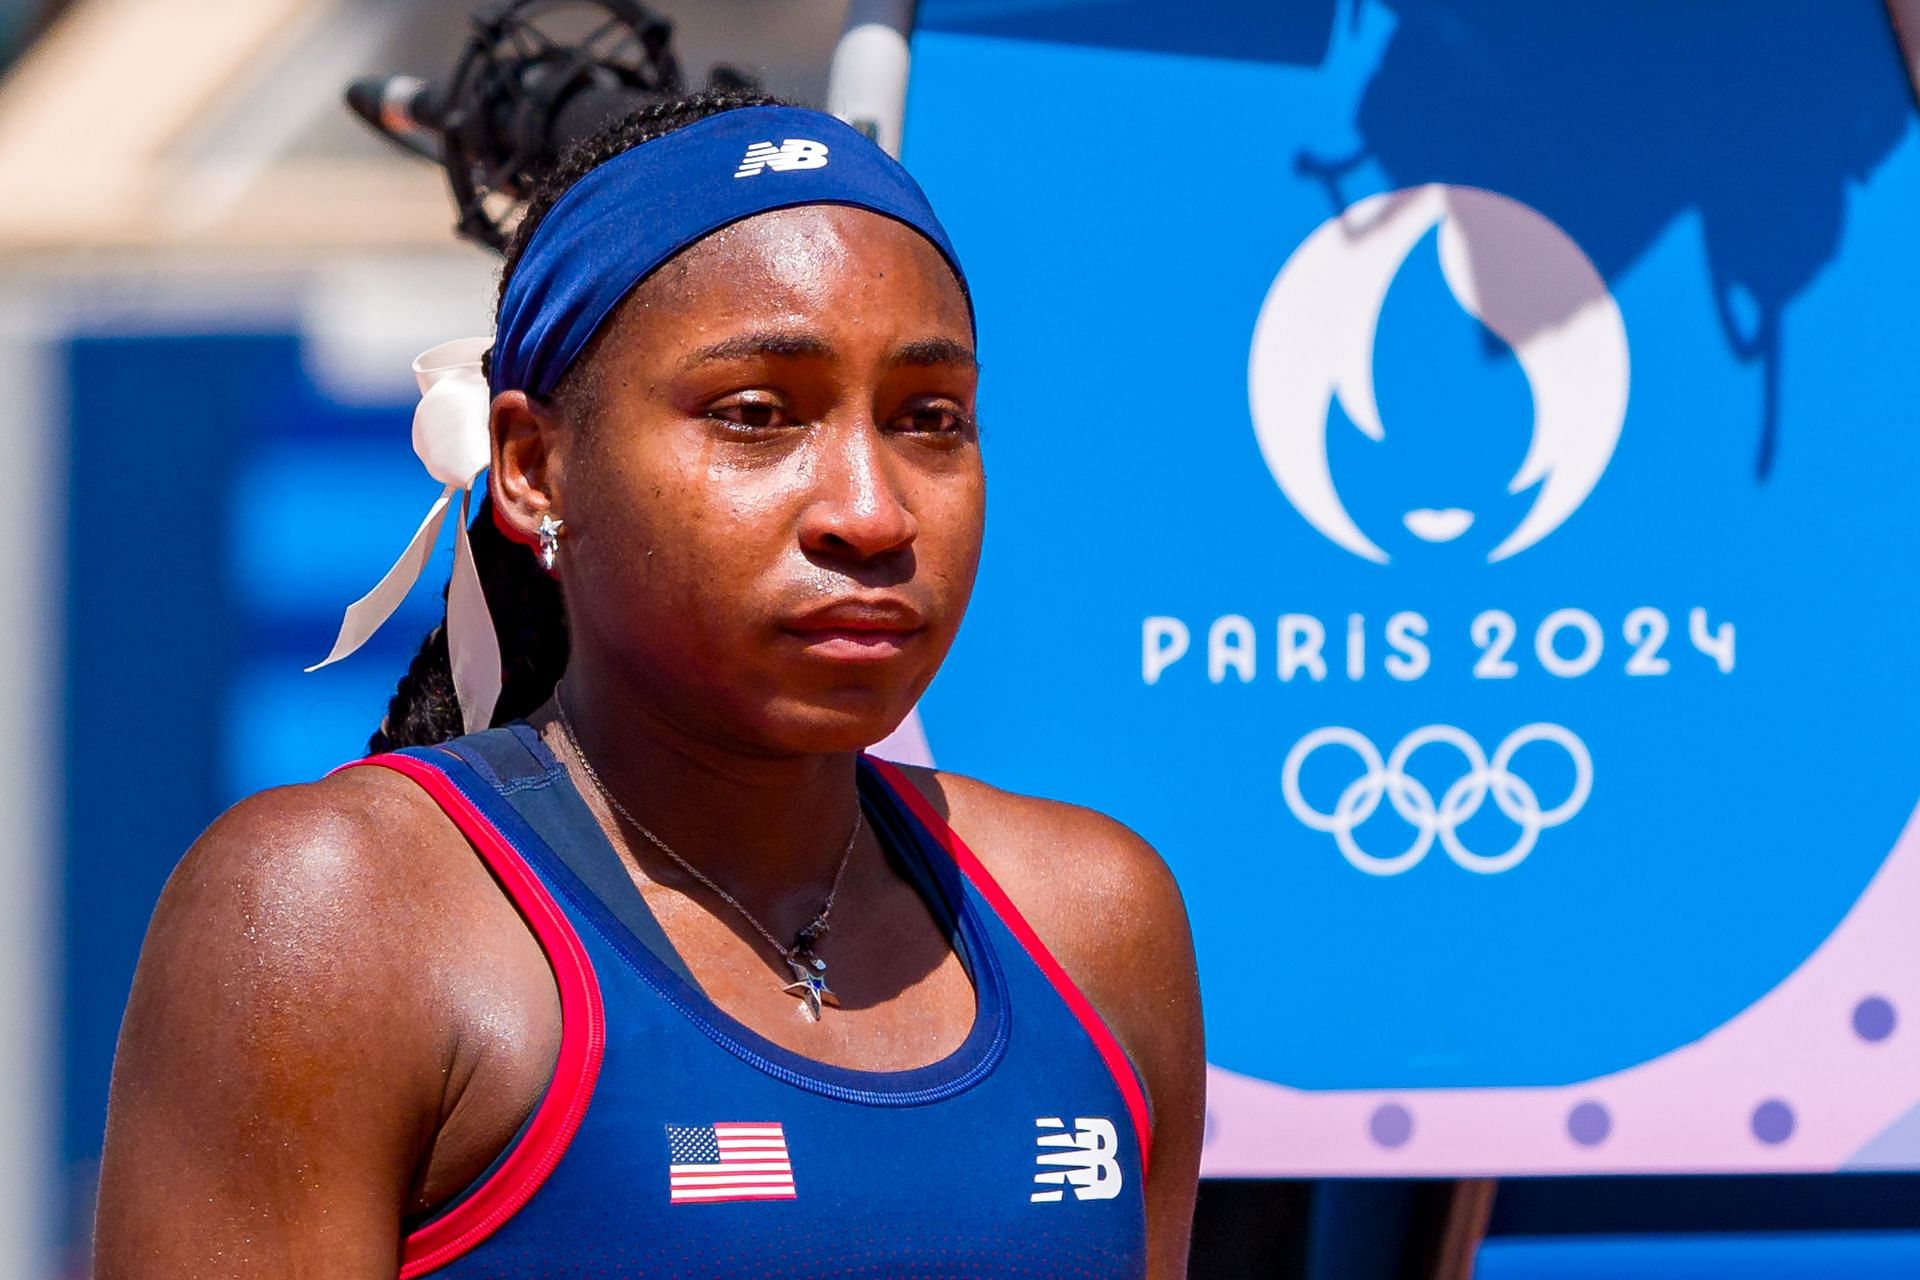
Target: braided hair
pixel 528 612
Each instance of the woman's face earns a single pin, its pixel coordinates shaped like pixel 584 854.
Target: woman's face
pixel 774 500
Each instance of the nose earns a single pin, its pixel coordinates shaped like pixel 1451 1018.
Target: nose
pixel 858 509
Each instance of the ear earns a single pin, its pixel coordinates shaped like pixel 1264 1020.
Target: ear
pixel 527 476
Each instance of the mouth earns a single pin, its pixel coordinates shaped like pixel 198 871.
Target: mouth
pixel 859 630
pixel 1433 525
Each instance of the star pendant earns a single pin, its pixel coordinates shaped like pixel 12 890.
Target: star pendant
pixel 810 984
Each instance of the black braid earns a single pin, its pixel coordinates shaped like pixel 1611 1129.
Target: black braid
pixel 423 709
pixel 531 623
pixel 527 609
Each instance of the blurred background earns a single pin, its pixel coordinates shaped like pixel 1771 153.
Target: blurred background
pixel 213 278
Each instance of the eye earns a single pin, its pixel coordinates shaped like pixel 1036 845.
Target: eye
pixel 936 418
pixel 753 413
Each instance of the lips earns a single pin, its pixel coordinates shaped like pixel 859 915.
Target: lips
pixel 859 630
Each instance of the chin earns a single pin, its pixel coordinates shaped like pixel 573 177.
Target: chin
pixel 833 726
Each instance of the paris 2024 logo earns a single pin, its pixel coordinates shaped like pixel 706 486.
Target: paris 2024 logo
pixel 1509 268
pixel 1523 278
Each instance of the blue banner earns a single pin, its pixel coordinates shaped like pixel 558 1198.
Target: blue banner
pixel 1451 472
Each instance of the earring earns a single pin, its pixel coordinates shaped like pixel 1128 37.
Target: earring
pixel 549 531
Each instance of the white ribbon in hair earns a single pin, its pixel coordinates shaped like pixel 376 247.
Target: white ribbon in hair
pixel 450 437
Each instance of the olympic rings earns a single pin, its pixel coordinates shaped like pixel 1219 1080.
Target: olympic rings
pixel 1388 780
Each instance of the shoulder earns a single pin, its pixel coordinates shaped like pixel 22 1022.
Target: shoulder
pixel 1061 862
pixel 349 852
pixel 342 924
pixel 1099 897
pixel 355 888
pixel 329 971
pixel 329 975
pixel 313 898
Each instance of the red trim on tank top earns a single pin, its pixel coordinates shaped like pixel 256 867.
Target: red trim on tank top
pixel 1119 1065
pixel 583 1038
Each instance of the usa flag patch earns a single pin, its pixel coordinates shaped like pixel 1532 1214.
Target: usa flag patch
pixel 728 1161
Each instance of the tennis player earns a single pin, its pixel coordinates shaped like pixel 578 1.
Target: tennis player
pixel 661 975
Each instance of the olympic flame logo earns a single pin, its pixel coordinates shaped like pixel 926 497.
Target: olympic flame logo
pixel 1389 780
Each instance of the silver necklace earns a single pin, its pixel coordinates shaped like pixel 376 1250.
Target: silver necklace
pixel 809 970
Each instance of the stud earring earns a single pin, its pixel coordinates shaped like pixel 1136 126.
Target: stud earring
pixel 549 531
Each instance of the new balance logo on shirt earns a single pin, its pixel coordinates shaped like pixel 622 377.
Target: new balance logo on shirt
pixel 794 153
pixel 1084 1158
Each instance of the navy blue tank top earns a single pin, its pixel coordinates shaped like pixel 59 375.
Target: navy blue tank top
pixel 674 1141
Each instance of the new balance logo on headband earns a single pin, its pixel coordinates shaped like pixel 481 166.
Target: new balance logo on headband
pixel 794 153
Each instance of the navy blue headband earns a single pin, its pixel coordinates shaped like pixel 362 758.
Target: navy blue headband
pixel 625 218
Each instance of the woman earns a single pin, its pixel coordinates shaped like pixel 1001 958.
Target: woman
pixel 718 995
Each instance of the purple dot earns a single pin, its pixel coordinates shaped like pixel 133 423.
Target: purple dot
pixel 1589 1124
pixel 1391 1125
pixel 1773 1122
pixel 1873 1018
pixel 1212 1126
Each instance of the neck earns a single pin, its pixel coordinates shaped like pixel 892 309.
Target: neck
pixel 769 829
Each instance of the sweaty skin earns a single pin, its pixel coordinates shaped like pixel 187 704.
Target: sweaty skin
pixel 774 501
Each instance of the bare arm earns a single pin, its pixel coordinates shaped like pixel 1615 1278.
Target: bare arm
pixel 288 1048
